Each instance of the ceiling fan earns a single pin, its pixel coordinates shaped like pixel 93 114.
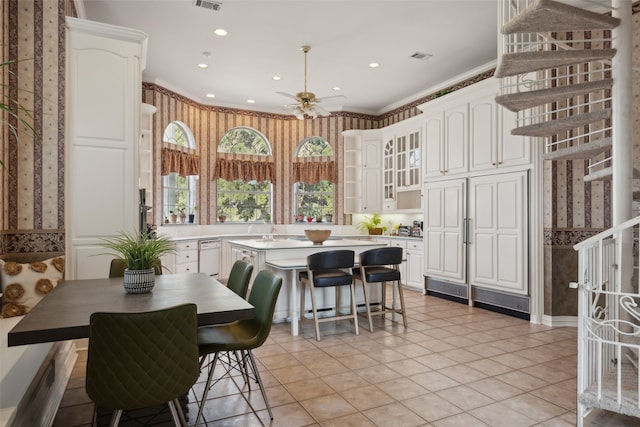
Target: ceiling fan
pixel 307 103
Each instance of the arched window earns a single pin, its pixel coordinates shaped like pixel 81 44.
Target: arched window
pixel 313 171
pixel 245 174
pixel 180 168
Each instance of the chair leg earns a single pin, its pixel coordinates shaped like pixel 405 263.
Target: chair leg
pixel 354 309
pixel 115 418
pixel 404 311
pixel 174 413
pixel 257 374
pixel 183 420
pixel 383 287
pixel 212 367
pixel 312 290
pixel 366 304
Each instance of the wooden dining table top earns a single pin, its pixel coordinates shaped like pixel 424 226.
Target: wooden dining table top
pixel 65 312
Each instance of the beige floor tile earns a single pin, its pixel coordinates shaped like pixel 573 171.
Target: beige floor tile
pixel 308 389
pixel 495 389
pixel 377 373
pixel 433 381
pixel 489 367
pixel 292 374
pixel 357 361
pixel 499 415
pixel 549 374
pixel 345 381
pixel 461 355
pixel 326 367
pixel 407 367
pixel 340 350
pixel 533 407
pixel 402 388
pixel 465 397
pixel 394 414
pixel 436 361
pixel 463 373
pixel 366 397
pixel 431 407
pixel 279 361
pixel 558 395
pixel 386 355
pixel 522 380
pixel 291 415
pixel 328 407
pixel 352 420
pixel 460 420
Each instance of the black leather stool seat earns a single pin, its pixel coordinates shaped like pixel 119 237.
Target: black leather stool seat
pixel 381 265
pixel 324 270
pixel 324 278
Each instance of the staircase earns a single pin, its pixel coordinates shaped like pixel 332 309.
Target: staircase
pixel 555 73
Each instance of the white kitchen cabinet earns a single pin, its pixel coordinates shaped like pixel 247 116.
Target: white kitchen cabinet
pixel 444 230
pixel 186 257
pixel 491 144
pixel 414 275
pixel 102 112
pixel 407 165
pixel 388 175
pixel 362 171
pixel 447 140
pixel 498 232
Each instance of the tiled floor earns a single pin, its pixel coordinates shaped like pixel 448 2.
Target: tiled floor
pixel 453 366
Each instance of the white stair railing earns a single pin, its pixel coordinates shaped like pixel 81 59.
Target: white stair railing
pixel 608 323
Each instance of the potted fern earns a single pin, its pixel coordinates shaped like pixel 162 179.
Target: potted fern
pixel 371 224
pixel 141 253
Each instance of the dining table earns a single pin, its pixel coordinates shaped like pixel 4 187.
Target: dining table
pixel 64 314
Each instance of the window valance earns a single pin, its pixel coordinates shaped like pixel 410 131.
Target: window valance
pixel 244 167
pixel 312 170
pixel 181 160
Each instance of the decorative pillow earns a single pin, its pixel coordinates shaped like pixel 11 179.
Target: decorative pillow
pixel 24 285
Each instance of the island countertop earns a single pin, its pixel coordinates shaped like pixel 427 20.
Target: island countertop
pixel 279 244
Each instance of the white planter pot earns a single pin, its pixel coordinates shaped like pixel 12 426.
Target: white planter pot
pixel 139 281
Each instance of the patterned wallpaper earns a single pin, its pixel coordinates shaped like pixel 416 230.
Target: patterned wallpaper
pixel 32 184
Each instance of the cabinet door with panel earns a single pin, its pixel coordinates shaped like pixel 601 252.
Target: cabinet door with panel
pixel 372 176
pixel 444 230
pixel 446 142
pixel 498 232
pixel 414 275
pixel 388 178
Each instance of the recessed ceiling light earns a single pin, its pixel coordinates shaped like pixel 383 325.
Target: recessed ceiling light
pixel 276 78
pixel 374 65
pixel 251 101
pixel 210 95
pixel 335 88
pixel 220 32
pixel 205 62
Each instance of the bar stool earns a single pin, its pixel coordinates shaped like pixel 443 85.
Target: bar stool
pixel 327 269
pixel 381 266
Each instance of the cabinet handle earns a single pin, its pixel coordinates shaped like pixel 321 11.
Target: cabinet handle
pixel 493 163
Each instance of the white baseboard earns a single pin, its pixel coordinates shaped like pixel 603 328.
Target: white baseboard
pixel 560 321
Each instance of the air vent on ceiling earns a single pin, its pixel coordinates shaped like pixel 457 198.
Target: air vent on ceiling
pixel 208 4
pixel 421 56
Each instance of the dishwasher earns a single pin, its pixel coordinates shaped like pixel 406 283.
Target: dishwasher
pixel 209 257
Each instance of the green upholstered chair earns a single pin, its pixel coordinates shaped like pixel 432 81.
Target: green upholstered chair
pixel 139 360
pixel 118 265
pixel 242 335
pixel 381 265
pixel 239 277
pixel 325 270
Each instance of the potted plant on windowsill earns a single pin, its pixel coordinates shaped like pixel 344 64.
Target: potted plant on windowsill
pixel 142 255
pixel 371 224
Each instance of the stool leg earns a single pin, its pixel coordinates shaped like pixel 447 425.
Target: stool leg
pixel 312 289
pixel 354 310
pixel 366 303
pixel 404 311
pixel 383 287
pixel 302 311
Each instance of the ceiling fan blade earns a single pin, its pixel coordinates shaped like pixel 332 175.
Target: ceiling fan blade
pixel 326 98
pixel 288 95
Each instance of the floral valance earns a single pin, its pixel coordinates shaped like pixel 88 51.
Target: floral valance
pixel 244 167
pixel 312 170
pixel 181 161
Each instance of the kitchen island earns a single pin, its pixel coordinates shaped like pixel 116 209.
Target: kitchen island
pixel 287 257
